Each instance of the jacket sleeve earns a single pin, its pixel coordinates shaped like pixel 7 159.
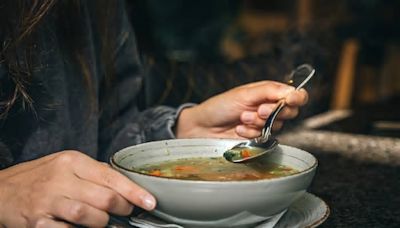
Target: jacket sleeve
pixel 6 157
pixel 122 124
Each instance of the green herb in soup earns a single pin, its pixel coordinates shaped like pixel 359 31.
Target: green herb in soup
pixel 215 169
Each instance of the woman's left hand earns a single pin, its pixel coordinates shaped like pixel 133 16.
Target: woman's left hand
pixel 240 112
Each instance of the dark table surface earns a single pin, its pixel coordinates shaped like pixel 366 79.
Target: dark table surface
pixel 359 166
pixel 359 194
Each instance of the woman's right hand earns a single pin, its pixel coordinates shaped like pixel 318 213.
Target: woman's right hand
pixel 66 187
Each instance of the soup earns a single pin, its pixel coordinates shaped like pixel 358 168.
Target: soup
pixel 215 169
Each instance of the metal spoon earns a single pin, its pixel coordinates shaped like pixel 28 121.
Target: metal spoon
pixel 264 144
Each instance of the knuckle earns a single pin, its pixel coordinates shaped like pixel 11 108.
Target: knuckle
pixel 67 157
pixel 109 201
pixel 42 223
pixel 128 210
pixel 76 212
pixel 107 178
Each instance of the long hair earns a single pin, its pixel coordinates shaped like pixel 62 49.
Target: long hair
pixel 20 21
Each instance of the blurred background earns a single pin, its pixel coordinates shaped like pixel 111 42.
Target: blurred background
pixel 192 50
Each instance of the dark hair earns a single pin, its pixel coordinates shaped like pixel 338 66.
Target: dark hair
pixel 20 21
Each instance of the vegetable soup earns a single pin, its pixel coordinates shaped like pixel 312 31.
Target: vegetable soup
pixel 215 169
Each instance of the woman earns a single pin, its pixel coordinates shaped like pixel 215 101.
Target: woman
pixel 69 86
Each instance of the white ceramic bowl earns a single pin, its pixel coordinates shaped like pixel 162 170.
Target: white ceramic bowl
pixel 215 203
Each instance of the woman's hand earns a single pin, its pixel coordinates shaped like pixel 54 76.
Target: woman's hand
pixel 66 187
pixel 240 112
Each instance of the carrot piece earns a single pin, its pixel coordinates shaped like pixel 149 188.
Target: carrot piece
pixel 245 153
pixel 155 172
pixel 184 168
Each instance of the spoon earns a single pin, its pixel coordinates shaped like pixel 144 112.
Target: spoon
pixel 265 144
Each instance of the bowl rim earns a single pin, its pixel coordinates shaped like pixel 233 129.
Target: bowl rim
pixel 161 178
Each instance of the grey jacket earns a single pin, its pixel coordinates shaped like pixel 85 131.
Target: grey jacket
pixel 62 119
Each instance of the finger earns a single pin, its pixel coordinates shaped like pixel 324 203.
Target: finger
pixel 78 213
pixel 104 175
pixel 252 118
pixel 100 197
pixel 267 91
pixel 48 222
pixel 264 110
pixel 288 113
pixel 247 132
pixel 297 98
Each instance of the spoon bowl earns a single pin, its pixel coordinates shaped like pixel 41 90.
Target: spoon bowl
pixel 257 147
pixel 250 149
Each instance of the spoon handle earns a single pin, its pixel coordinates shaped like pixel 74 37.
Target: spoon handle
pixel 266 131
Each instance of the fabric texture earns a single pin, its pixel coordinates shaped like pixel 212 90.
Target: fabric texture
pixel 65 116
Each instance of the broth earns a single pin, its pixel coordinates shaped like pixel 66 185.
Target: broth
pixel 215 169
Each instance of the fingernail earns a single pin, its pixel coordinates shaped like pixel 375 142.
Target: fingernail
pixel 148 202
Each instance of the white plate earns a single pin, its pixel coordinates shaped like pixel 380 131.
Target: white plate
pixel 308 211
